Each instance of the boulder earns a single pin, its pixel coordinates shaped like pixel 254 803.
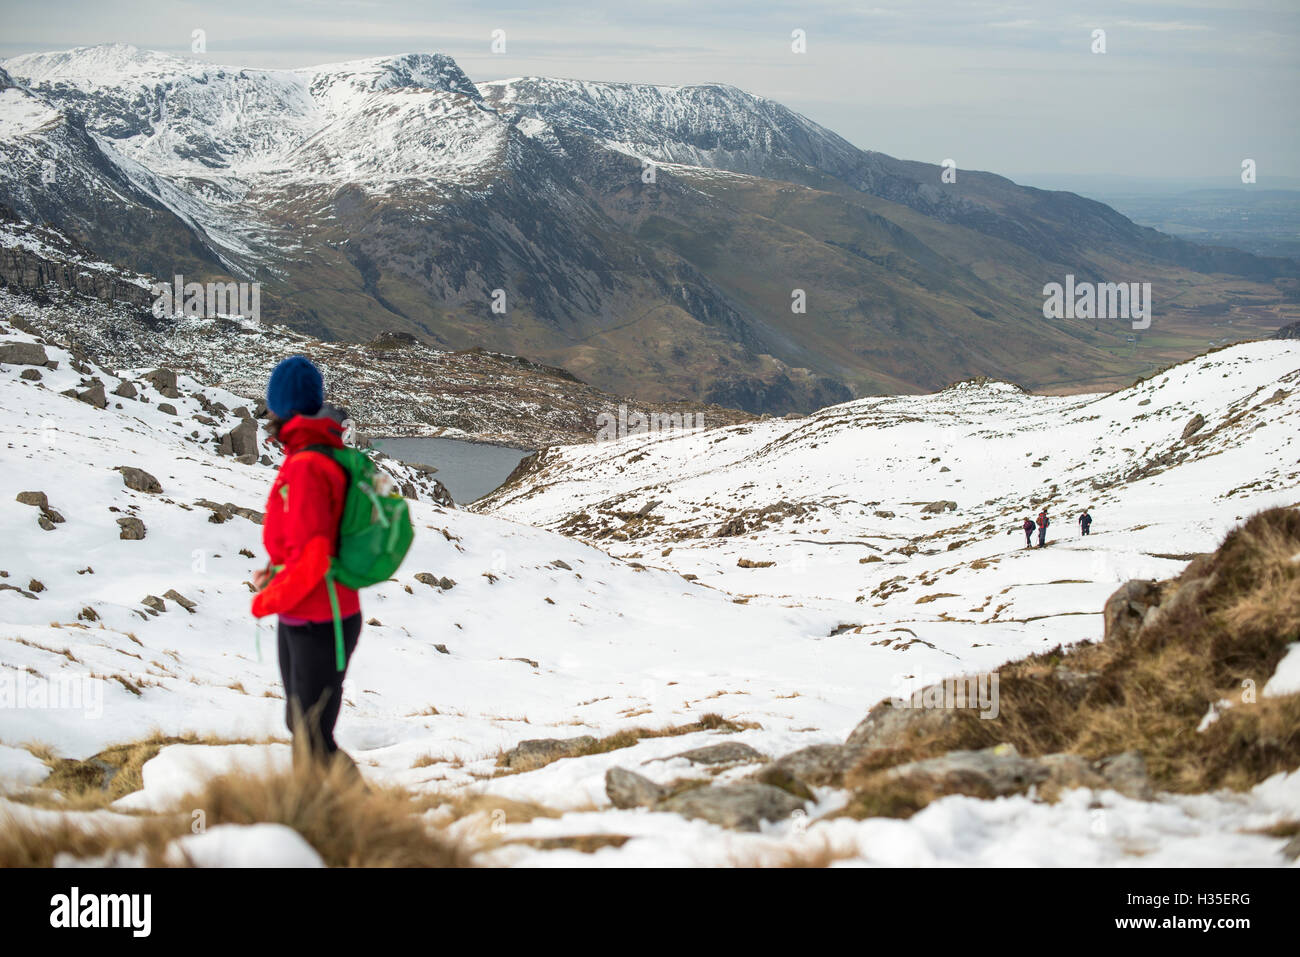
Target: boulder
pixel 240 441
pixel 819 765
pixel 1127 774
pixel 988 773
pixel 139 479
pixel 154 602
pixel 938 508
pixel 887 726
pixel 31 375
pixel 126 390
pixel 726 752
pixel 180 599
pixel 1126 610
pixel 23 354
pixel 627 789
pixel 742 806
pixel 167 408
pixel 539 752
pixel 37 499
pixel 1194 425
pixel 132 529
pixel 164 380
pixel 93 395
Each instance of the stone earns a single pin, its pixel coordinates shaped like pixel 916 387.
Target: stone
pixel 725 752
pixel 126 390
pixel 627 789
pixel 938 508
pixel 154 602
pixel 887 726
pixel 1127 608
pixel 742 806
pixel 818 765
pixel 94 395
pixel 180 599
pixel 23 354
pixel 539 752
pixel 139 479
pixel 1127 774
pixel 988 773
pixel 241 440
pixel 1194 425
pixel 33 498
pixel 132 529
pixel 31 375
pixel 88 614
pixel 167 408
pixel 45 523
pixel 164 380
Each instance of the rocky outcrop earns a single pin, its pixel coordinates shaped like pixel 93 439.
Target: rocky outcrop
pixel 539 752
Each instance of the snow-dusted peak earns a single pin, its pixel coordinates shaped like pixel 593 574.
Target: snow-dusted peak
pixel 102 65
pixel 710 125
pixel 338 85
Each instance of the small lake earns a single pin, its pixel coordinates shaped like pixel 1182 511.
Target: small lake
pixel 469 470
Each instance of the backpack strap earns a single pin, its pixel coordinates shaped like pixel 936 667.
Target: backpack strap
pixel 340 659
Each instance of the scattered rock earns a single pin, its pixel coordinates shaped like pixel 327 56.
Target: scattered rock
pixel 731 528
pixel 1194 425
pixel 154 602
pixel 166 408
pixel 88 614
pixel 886 726
pixel 750 563
pixel 988 773
pixel 742 806
pixel 139 479
pixel 726 752
pixel 33 498
pixel 539 752
pixel 819 765
pixel 938 508
pixel 35 586
pixel 126 390
pixel 31 375
pixel 559 563
pixel 241 441
pixel 23 354
pixel 1127 774
pixel 132 529
pixel 883 514
pixel 164 380
pixel 1127 609
pixel 180 599
pixel 627 789
pixel 94 395
pixel 374 623
pixel 44 522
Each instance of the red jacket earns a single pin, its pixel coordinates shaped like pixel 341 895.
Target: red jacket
pixel 302 525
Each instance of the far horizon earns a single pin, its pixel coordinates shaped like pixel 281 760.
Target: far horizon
pixel 1182 92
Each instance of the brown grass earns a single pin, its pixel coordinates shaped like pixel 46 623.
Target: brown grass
pixel 349 823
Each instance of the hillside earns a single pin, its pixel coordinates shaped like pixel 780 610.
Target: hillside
pixel 543 687
pixel 394 194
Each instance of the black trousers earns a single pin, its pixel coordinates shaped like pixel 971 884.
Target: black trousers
pixel 313 685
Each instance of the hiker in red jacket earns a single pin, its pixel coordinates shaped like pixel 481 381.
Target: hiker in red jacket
pixel 301 535
pixel 1043 522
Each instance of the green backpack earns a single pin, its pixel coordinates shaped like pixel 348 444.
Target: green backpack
pixel 375 533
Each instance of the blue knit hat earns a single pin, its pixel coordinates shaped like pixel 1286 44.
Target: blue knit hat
pixel 296 388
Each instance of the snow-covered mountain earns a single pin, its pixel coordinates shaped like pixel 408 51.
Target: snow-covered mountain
pixel 395 194
pixel 537 634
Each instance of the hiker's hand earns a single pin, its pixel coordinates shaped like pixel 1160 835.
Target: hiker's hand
pixel 262 577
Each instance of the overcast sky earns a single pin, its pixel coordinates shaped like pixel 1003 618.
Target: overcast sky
pixel 1184 89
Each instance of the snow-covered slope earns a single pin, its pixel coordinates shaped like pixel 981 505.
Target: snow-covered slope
pixel 545 636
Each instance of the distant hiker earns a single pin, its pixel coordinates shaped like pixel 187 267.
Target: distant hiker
pixel 300 535
pixel 1029 532
pixel 1085 522
pixel 1043 522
